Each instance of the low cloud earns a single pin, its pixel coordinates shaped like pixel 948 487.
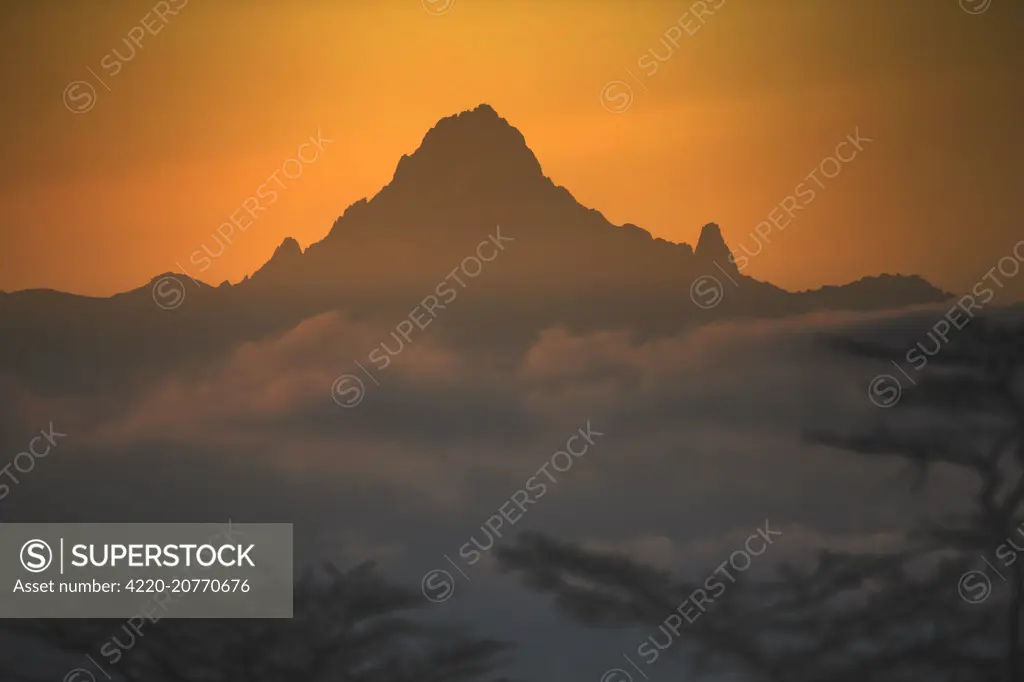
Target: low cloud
pixel 705 425
pixel 704 439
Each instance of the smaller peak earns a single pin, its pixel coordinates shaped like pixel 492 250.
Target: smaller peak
pixel 286 259
pixel 711 247
pixel 710 235
pixel 182 277
pixel 287 247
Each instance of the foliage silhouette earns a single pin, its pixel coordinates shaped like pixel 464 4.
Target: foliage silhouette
pixel 354 627
pixel 897 616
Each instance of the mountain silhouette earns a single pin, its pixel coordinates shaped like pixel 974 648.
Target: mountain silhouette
pixel 711 249
pixel 473 174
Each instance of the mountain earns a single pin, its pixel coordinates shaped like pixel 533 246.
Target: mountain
pixel 473 176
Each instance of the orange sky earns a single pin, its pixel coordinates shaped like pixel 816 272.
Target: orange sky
pixel 737 116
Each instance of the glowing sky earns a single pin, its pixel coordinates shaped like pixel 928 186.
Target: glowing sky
pixel 737 116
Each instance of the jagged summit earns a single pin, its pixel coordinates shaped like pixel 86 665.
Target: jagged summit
pixel 288 246
pixel 481 125
pixel 287 255
pixel 476 147
pixel 711 247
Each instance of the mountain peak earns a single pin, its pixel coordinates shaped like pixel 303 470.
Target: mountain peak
pixel 287 249
pixel 483 120
pixel 287 257
pixel 475 148
pixel 711 247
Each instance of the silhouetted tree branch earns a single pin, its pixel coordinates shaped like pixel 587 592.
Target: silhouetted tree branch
pixel 892 617
pixel 354 628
